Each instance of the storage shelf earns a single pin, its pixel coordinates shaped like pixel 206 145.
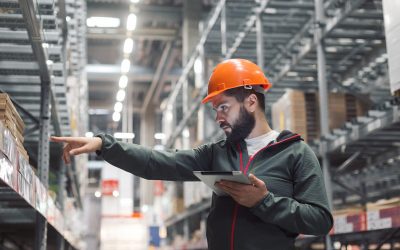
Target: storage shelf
pixel 21 203
pixel 371 237
pixel 195 209
pixel 26 65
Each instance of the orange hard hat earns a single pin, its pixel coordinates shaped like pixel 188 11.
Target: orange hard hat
pixel 233 73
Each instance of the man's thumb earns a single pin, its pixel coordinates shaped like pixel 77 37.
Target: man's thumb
pixel 256 182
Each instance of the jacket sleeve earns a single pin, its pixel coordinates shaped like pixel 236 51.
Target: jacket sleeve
pixel 173 165
pixel 307 212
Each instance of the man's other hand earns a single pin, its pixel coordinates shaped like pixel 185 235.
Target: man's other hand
pixel 77 145
pixel 245 194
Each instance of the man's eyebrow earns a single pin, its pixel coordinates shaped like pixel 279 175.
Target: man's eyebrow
pixel 219 104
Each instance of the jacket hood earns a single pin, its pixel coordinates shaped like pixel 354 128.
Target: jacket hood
pixel 283 137
pixel 288 135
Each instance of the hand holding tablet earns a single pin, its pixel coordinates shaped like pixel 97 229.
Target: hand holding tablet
pixel 211 177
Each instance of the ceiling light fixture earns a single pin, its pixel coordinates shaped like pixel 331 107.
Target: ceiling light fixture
pixel 186 133
pixel 118 107
pixel 128 46
pixel 120 135
pixel 292 73
pixel 131 22
pixel 159 136
pixel 198 66
pixel 125 66
pixel 89 134
pixel 270 11
pixel 121 95
pixel 116 117
pixel 123 81
pixel 103 22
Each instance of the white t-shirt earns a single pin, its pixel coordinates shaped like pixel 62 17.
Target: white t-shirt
pixel 257 143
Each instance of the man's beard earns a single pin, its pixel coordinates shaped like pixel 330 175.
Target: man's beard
pixel 241 128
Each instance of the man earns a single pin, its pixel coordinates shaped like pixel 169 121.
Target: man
pixel 288 195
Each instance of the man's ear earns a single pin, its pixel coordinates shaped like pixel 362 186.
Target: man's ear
pixel 252 102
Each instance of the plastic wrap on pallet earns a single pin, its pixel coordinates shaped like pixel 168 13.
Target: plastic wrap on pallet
pixel 50 214
pixel 26 183
pixel 58 220
pixel 41 197
pixel 9 146
pixel 8 172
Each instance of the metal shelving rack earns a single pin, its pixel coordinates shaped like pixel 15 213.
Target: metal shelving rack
pixel 32 72
pixel 311 46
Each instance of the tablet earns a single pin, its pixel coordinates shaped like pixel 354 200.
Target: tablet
pixel 211 177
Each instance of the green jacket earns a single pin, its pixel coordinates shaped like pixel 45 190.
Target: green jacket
pixel 296 203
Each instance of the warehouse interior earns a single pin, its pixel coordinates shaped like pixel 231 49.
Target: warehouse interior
pixel 138 70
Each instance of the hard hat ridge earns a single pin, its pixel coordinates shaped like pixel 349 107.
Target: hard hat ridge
pixel 233 73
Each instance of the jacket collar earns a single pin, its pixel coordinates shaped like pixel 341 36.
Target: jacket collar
pixel 286 136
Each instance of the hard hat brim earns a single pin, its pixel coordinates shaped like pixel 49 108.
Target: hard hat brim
pixel 215 93
pixel 210 96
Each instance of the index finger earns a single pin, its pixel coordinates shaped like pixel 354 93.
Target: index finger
pixel 64 139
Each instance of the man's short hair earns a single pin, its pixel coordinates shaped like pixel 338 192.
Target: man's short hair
pixel 242 93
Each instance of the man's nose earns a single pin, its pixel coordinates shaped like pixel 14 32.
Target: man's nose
pixel 219 118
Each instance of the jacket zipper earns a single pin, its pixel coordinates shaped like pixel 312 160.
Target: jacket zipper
pixel 244 170
pixel 234 216
pixel 268 146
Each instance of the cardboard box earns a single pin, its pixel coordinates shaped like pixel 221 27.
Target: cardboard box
pixel 9 146
pixel 383 214
pixel 11 119
pixel 8 172
pixel 300 112
pixel 349 221
pixel 7 105
pixel 289 112
pixel 26 182
pixel 178 205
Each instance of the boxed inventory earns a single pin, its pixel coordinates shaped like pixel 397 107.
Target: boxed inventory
pixel 26 182
pixel 383 214
pixel 11 119
pixel 299 112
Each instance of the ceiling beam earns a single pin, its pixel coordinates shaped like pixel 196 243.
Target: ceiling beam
pixel 102 72
pixel 145 13
pixel 143 33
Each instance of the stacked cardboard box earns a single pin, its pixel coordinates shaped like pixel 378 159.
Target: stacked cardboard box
pixel 13 122
pixel 8 172
pixel 289 112
pixel 299 112
pixel 8 145
pixel 26 181
pixel 349 220
pixel 8 158
pixel 383 214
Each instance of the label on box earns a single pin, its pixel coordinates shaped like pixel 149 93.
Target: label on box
pixel 8 172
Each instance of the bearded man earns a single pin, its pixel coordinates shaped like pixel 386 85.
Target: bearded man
pixel 288 194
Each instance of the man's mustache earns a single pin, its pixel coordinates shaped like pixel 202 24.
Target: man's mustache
pixel 224 124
